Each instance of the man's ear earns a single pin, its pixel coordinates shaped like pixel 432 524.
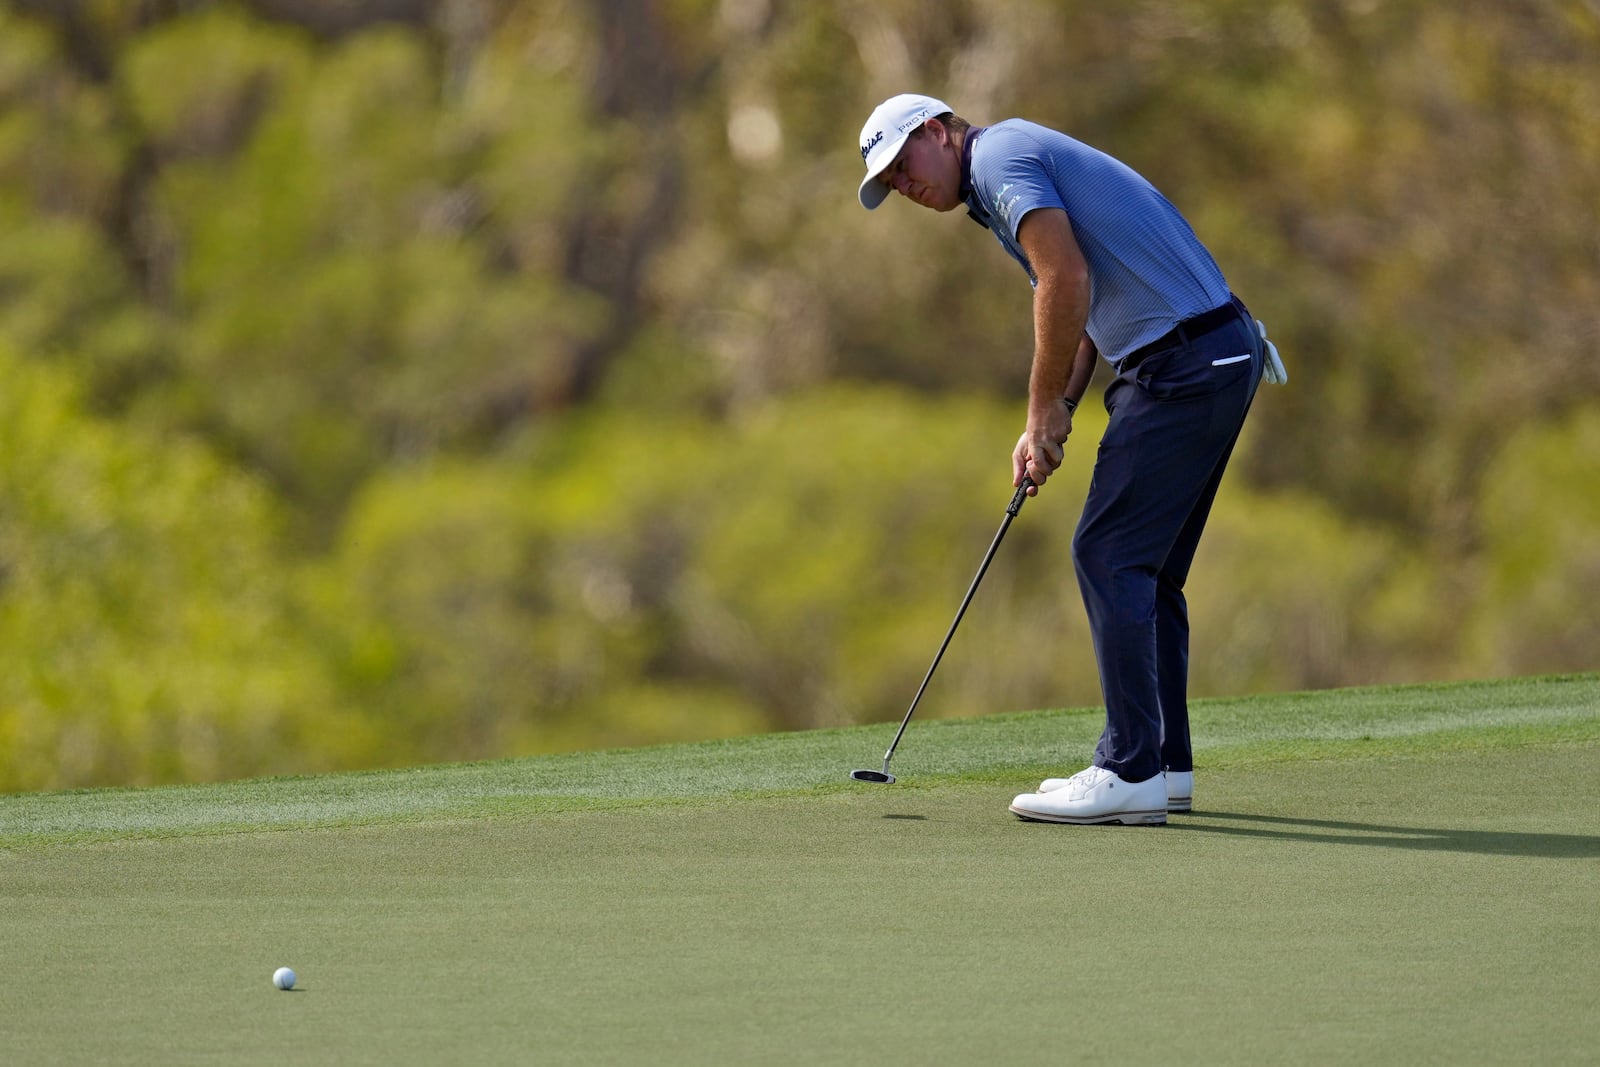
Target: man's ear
pixel 938 131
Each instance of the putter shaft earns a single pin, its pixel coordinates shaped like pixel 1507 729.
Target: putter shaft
pixel 1011 512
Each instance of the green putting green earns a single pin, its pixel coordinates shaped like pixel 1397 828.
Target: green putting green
pixel 1399 875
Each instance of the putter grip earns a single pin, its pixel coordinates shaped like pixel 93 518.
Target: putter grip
pixel 1021 495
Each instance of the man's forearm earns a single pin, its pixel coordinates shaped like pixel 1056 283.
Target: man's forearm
pixel 1060 370
pixel 1060 310
pixel 1083 364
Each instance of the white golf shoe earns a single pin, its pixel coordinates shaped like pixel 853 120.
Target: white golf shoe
pixel 1180 789
pixel 1097 795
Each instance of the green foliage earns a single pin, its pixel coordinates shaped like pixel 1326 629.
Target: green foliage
pixel 61 151
pixel 551 389
pixel 339 313
pixel 196 86
pixel 731 580
pixel 842 531
pixel 1290 595
pixel 64 292
pixel 147 630
pixel 63 280
pixel 1541 525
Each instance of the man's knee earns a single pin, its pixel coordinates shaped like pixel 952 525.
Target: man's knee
pixel 1117 591
pixel 1170 580
pixel 1091 558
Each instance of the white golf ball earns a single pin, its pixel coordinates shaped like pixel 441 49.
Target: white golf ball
pixel 283 978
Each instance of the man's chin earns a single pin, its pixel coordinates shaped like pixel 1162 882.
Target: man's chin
pixel 933 203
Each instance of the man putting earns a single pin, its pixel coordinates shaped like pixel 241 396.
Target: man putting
pixel 1116 273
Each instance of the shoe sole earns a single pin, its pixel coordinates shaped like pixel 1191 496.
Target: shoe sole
pixel 1175 805
pixel 1126 818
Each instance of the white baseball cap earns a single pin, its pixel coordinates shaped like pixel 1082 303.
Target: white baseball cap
pixel 885 132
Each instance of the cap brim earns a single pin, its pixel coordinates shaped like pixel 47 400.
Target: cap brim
pixel 873 192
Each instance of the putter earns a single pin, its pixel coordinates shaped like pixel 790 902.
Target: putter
pixel 883 776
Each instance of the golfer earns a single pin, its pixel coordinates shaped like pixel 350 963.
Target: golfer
pixel 1117 275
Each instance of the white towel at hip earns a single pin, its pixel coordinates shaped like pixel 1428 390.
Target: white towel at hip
pixel 1274 371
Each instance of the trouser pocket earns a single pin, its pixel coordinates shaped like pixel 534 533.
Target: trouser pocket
pixel 1206 366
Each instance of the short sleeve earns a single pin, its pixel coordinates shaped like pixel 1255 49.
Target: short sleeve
pixel 1009 174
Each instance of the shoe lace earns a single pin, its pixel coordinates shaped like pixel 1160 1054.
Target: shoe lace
pixel 1086 780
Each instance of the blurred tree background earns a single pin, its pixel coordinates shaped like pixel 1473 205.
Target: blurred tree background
pixel 389 381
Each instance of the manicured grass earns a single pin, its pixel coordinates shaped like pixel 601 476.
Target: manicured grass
pixel 996 748
pixel 1393 875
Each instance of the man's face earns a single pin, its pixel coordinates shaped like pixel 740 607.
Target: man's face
pixel 928 169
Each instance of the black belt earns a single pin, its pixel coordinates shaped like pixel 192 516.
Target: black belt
pixel 1185 331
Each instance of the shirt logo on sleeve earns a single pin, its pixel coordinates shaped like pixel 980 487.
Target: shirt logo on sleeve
pixel 1004 206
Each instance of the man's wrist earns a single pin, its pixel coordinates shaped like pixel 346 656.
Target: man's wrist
pixel 1072 405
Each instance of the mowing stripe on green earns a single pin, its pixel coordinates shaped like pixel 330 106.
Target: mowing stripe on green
pixel 1012 748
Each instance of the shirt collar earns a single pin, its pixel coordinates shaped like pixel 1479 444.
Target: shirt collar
pixel 968 194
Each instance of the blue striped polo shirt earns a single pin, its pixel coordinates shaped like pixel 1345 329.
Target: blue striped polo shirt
pixel 1147 269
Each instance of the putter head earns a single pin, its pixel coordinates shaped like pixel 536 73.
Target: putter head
pixel 881 777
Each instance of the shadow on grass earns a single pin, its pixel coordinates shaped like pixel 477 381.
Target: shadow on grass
pixel 1323 831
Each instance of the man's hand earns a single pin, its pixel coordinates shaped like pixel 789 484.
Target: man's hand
pixel 1039 452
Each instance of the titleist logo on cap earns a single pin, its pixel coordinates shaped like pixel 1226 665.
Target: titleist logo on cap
pixel 871 142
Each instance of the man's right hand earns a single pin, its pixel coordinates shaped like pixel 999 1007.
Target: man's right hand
pixel 1039 450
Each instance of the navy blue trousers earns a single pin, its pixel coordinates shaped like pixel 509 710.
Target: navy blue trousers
pixel 1174 421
